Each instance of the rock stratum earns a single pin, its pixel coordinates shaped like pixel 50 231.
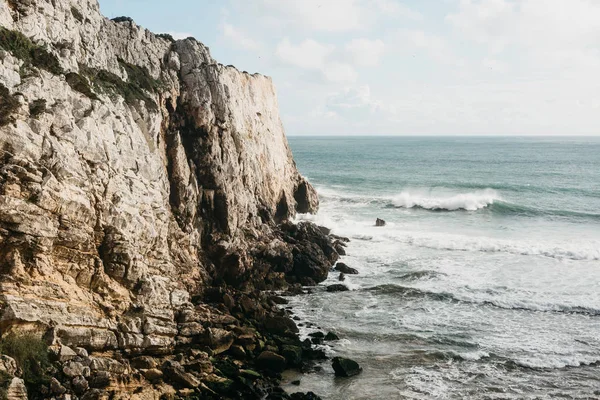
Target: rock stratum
pixel 144 196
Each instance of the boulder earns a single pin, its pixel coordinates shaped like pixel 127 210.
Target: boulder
pixel 331 336
pixel 345 367
pixel 281 326
pixel 342 277
pixel 153 374
pixel 338 287
pixel 271 361
pixel 292 354
pixel 16 390
pixel 340 266
pixel 176 375
pixel 8 365
pixel 304 396
pixel 56 387
pixel 66 353
pixel 79 385
pixel 379 222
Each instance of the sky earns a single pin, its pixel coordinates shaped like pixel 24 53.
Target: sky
pixel 404 67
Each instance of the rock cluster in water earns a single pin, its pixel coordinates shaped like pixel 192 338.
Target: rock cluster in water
pixel 144 197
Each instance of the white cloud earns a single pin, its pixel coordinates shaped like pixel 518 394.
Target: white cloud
pixel 339 72
pixel 239 38
pixel 180 35
pixel 314 56
pixel 395 8
pixel 321 15
pixel 365 52
pixel 434 46
pixel 309 54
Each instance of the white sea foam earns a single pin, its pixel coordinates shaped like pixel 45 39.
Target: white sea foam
pixel 432 200
pixel 582 250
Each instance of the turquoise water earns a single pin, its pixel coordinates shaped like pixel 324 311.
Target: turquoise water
pixel 485 281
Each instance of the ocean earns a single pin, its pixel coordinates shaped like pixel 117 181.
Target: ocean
pixel 485 281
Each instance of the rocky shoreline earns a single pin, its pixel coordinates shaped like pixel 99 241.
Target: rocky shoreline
pixel 233 344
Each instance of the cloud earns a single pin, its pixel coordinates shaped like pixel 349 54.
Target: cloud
pixel 314 56
pixel 180 35
pixel 239 38
pixel 320 15
pixel 434 46
pixel 365 52
pixel 309 54
pixel 339 72
pixel 356 102
pixel 395 8
pixel 334 16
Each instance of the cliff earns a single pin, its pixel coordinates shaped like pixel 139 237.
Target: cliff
pixel 138 177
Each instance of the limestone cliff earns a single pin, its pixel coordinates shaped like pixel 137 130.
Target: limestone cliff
pixel 135 172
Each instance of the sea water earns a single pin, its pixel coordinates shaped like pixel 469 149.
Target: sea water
pixel 485 281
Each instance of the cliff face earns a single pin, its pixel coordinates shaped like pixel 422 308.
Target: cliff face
pixel 135 172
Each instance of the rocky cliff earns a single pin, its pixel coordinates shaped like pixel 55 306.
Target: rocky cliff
pixel 138 177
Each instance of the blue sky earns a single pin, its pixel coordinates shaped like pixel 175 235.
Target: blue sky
pixel 434 67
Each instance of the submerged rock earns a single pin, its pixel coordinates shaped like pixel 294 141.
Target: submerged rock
pixel 345 367
pixel 338 287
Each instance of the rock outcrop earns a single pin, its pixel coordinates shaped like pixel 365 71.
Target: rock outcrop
pixel 136 176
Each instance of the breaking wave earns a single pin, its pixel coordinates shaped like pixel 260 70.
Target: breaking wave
pixel 463 201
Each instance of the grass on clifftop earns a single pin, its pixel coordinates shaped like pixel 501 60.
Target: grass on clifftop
pixel 31 355
pixel 31 54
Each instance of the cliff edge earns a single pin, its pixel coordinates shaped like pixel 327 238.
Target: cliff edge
pixel 141 183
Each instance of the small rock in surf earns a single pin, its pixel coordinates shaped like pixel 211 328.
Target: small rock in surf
pixel 345 367
pixel 379 222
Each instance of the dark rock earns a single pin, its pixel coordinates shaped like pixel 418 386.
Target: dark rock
pixel 345 367
pixel 56 387
pixel 339 249
pixel 345 269
pixel 153 374
pixel 278 300
pixel 228 301
pixel 271 361
pixel 320 335
pixel 342 277
pixel 337 288
pixel 304 396
pixel 79 385
pixel 100 380
pixel 340 238
pixel 379 222
pixel 94 394
pixel 143 362
pixel 281 326
pixel 313 252
pixel 292 354
pixel 175 374
pixel 331 336
pixel 295 383
pixel 227 367
pixel 237 352
pixel 325 230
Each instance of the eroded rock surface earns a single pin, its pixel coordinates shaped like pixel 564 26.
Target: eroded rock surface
pixel 136 175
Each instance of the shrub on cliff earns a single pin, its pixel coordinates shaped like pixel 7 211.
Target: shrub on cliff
pixel 8 105
pixel 31 355
pixel 31 54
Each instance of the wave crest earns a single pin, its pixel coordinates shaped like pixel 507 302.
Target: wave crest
pixel 464 201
